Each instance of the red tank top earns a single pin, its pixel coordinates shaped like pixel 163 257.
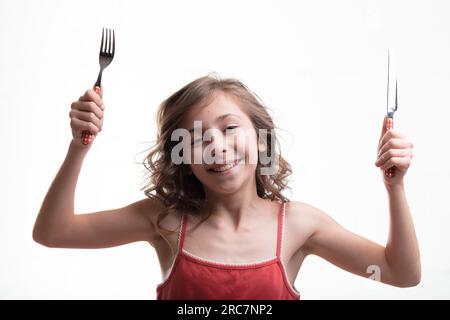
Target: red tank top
pixel 194 278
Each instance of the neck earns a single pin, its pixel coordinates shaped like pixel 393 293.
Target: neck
pixel 233 210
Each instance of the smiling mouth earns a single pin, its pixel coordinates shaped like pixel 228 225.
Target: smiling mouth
pixel 225 167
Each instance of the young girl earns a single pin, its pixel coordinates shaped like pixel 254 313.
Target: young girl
pixel 223 229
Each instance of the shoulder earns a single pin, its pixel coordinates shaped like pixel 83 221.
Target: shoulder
pixel 304 220
pixel 149 207
pixel 302 212
pixel 152 209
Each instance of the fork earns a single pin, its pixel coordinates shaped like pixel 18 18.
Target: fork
pixel 106 55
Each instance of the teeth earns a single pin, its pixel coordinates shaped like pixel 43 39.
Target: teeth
pixel 225 167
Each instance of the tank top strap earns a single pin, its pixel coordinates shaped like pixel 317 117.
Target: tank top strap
pixel 182 231
pixel 280 230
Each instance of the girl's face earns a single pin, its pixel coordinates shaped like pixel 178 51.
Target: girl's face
pixel 224 150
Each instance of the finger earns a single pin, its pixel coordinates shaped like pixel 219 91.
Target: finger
pixel 87 116
pixel 393 153
pixel 100 93
pixel 88 106
pixel 391 134
pixel 91 95
pixel 400 163
pixel 81 125
pixel 395 143
pixel 383 129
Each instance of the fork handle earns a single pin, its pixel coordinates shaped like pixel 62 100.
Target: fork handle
pixel 86 136
pixel 391 171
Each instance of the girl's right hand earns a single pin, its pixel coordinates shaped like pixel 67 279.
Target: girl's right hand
pixel 86 114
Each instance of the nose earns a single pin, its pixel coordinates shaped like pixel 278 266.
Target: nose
pixel 218 144
pixel 221 148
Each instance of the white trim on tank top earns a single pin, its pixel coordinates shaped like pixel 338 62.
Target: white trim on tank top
pixel 283 269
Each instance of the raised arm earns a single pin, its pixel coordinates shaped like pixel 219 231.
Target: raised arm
pixel 57 225
pixel 398 263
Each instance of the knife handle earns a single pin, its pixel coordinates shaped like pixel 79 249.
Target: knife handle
pixel 86 136
pixel 391 171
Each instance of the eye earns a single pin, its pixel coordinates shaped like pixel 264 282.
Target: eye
pixel 231 127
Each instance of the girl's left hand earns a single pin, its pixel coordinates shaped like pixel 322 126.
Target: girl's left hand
pixel 394 149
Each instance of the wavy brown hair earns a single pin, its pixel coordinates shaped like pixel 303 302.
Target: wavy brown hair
pixel 170 183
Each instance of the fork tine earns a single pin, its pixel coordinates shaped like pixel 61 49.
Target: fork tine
pixel 106 42
pixel 105 46
pixel 105 49
pixel 113 43
pixel 101 43
pixel 109 41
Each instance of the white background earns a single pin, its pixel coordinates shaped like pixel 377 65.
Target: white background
pixel 320 66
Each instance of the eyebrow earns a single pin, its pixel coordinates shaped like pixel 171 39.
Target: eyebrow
pixel 221 118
